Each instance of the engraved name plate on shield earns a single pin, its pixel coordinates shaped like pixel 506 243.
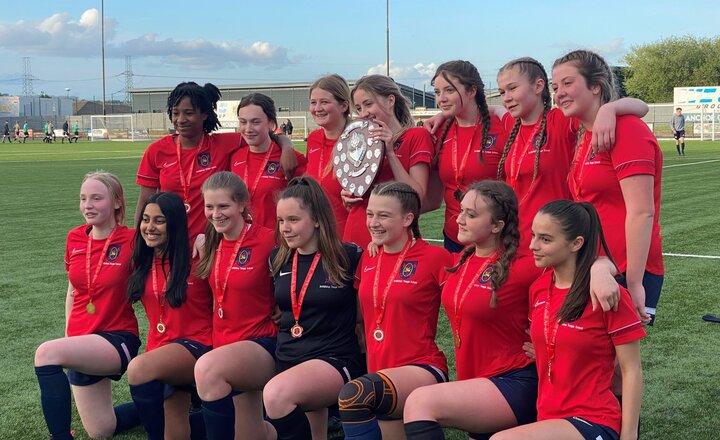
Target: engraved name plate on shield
pixel 357 157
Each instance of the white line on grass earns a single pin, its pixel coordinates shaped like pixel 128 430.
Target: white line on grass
pixel 666 254
pixel 69 160
pixel 691 163
pixel 48 153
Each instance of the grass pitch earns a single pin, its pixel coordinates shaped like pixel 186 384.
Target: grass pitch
pixel 39 200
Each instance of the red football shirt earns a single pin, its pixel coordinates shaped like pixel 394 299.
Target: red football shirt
pixel 411 308
pixel 319 166
pixel 113 311
pixel 491 338
pixel 415 146
pixel 584 355
pixel 551 180
pixel 192 320
pixel 474 168
pixel 265 179
pixel 595 178
pixel 159 169
pixel 249 299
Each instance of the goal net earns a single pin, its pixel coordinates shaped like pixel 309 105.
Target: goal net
pixel 116 128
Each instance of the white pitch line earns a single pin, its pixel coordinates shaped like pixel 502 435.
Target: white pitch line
pixel 2 162
pixel 49 153
pixel 691 163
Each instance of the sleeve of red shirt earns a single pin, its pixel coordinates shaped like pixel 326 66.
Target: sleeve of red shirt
pixel 634 151
pixel 421 148
pixel 67 250
pixel 508 122
pixel 447 261
pixel 149 172
pixel 301 164
pixel 624 326
pixel 359 271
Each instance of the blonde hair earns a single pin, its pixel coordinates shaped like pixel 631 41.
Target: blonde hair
pixel 381 85
pixel 336 86
pixel 114 187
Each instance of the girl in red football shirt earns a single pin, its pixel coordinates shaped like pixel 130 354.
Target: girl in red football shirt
pixel 486 298
pixel 624 184
pixel 230 378
pixel 101 332
pixel 178 306
pixel 575 346
pixel 408 149
pixel 181 162
pixel 330 109
pixel 399 292
pixel 259 165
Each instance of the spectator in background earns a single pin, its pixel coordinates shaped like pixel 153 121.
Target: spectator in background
pixel 66 131
pixel 677 124
pixel 6 133
pixel 16 128
pixel 288 128
pixel 25 131
pixel 76 132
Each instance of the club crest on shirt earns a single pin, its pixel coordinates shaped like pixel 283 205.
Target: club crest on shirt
pixel 408 269
pixel 203 159
pixel 243 256
pixel 272 168
pixel 485 277
pixel 113 252
pixel 490 141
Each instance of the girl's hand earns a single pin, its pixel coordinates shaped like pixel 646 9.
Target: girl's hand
pixel 434 124
pixel 379 131
pixel 276 315
pixel 199 247
pixel 637 292
pixel 603 130
pixel 349 200
pixel 372 249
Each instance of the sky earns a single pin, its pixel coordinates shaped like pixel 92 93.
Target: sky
pixel 251 42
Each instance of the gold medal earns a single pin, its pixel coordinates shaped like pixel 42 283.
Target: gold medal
pixel 456 339
pixel 220 312
pixel 378 334
pixel 187 207
pixel 296 331
pixel 90 308
pixel 160 327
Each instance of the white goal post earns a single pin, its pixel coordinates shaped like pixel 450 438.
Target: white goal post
pixel 116 128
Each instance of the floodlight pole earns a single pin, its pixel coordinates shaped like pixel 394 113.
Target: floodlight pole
pixel 102 51
pixel 387 37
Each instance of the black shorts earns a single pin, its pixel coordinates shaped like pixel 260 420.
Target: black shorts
pixel 593 431
pixel 269 343
pixel 439 375
pixel 679 134
pixel 127 346
pixel 348 367
pixel 653 288
pixel 519 388
pixel 451 245
pixel 196 349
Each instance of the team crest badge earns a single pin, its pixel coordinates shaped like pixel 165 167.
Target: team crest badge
pixel 204 159
pixel 272 168
pixel 113 252
pixel 244 256
pixel 408 269
pixel 490 142
pixel 486 275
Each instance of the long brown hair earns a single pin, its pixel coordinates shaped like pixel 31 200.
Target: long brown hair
pixel 238 192
pixel 381 85
pixel 308 192
pixel 503 204
pixel 533 71
pixel 578 219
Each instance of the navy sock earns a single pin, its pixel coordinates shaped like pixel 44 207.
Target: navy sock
pixel 197 425
pixel 424 430
pixel 149 400
pixel 369 430
pixel 126 416
pixel 294 426
pixel 55 400
pixel 219 418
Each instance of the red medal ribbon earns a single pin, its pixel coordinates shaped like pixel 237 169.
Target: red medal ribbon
pixel 296 298
pixel 380 307
pixel 221 287
pixel 550 333
pixel 159 295
pixel 91 282
pixel 460 300
pixel 515 166
pixel 186 181
pixel 266 159
pixel 576 175
pixel 460 171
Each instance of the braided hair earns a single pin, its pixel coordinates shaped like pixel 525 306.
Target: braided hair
pixel 204 99
pixel 466 74
pixel 533 71
pixel 503 205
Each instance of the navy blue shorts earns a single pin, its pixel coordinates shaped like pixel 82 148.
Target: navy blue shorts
pixel 127 346
pixel 196 349
pixel 679 134
pixel 348 367
pixel 451 245
pixel 519 388
pixel 593 431
pixel 653 288
pixel 269 343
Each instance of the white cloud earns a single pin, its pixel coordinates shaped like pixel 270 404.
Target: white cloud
pixel 419 72
pixel 60 35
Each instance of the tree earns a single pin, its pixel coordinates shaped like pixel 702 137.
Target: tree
pixel 655 69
